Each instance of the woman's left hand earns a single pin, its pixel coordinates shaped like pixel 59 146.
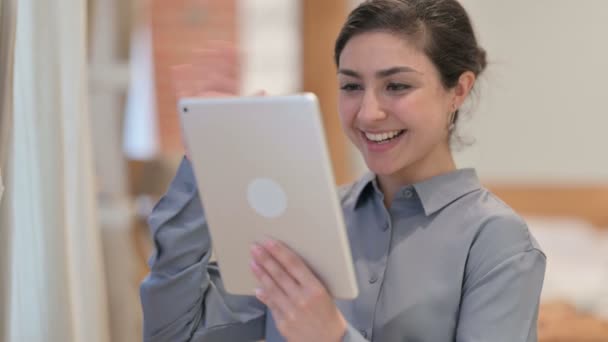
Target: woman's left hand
pixel 301 306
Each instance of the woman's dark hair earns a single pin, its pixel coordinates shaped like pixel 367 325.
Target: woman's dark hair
pixel 440 28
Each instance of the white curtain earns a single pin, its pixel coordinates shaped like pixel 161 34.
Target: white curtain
pixel 57 290
pixel 141 133
pixel 7 44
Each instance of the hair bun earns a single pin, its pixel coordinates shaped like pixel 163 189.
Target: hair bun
pixel 481 59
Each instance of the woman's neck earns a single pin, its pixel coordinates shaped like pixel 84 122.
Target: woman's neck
pixel 438 163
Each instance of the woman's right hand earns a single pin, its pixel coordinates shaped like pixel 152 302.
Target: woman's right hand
pixel 215 71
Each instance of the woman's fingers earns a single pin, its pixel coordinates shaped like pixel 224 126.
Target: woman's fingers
pixel 182 80
pixel 271 293
pixel 213 70
pixel 222 57
pixel 291 262
pixel 303 311
pixel 285 282
pixel 217 83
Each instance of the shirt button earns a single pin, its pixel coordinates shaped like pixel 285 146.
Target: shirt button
pixel 386 226
pixel 408 193
pixel 373 279
pixel 363 333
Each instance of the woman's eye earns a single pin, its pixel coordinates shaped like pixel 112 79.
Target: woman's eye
pixel 397 87
pixel 350 87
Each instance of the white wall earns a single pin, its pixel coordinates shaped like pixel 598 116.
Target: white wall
pixel 542 114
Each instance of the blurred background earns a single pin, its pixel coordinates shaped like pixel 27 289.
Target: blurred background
pixel 91 139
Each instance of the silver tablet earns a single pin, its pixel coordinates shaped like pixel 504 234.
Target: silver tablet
pixel 263 170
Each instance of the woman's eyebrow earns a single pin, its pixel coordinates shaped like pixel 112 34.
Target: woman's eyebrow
pixel 380 73
pixel 394 70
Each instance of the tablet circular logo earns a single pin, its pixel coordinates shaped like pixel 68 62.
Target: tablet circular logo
pixel 267 197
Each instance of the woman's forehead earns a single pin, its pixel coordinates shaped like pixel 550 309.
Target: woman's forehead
pixel 374 51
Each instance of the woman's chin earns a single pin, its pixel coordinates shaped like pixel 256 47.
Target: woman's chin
pixel 382 168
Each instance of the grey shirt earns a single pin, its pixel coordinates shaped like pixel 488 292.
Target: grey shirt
pixel 447 262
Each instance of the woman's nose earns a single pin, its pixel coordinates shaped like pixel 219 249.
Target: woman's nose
pixel 370 109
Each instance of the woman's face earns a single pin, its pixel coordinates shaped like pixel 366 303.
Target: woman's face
pixel 392 103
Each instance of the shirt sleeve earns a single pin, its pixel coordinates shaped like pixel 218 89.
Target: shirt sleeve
pixel 352 335
pixel 502 285
pixel 183 298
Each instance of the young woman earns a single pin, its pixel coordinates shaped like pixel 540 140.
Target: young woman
pixel 438 257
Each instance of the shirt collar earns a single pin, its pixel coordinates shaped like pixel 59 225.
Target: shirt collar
pixel 437 192
pixel 360 187
pixel 434 193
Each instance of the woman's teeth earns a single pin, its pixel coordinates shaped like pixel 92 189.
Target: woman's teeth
pixel 383 137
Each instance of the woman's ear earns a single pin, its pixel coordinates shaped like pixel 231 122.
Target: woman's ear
pixel 463 88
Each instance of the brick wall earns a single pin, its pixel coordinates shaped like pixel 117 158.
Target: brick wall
pixel 178 26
